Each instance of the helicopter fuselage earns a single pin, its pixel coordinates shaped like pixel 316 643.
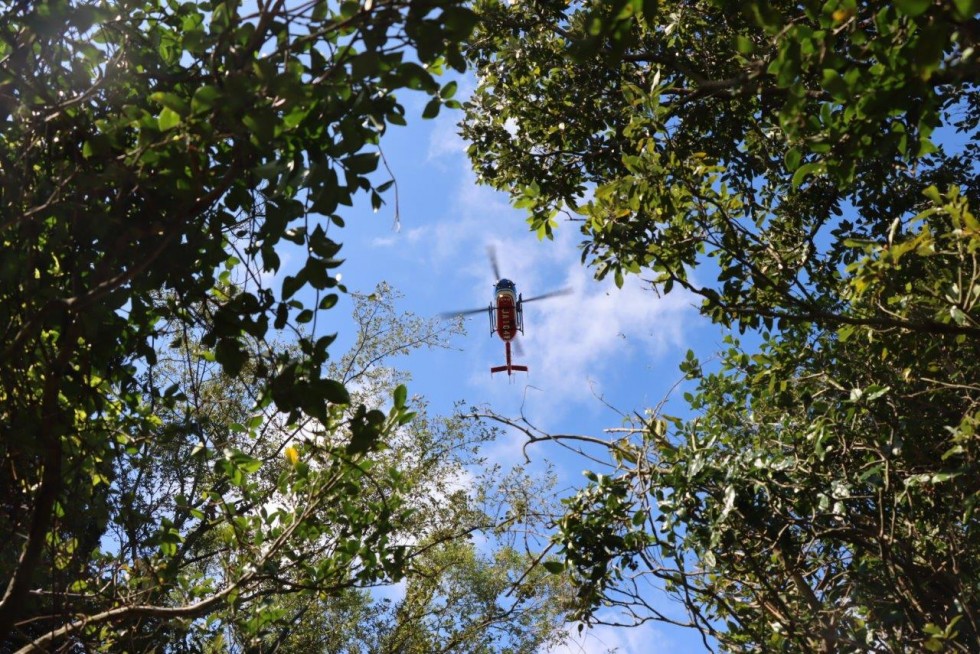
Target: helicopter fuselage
pixel 506 317
pixel 506 320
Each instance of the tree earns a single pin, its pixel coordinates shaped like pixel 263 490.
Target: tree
pixel 735 133
pixel 226 499
pixel 814 165
pixel 458 595
pixel 151 150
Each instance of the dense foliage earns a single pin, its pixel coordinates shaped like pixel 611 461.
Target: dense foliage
pixel 178 467
pixel 809 170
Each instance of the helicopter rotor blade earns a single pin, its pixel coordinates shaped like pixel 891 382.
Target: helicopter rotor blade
pixel 545 296
pixel 492 255
pixel 518 348
pixel 467 312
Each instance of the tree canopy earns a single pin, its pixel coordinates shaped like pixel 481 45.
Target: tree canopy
pixel 738 134
pixel 180 466
pixel 809 170
pixel 183 465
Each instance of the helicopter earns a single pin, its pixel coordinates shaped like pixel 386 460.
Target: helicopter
pixel 506 314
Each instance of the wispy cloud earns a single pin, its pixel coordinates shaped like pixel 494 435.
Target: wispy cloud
pixel 579 339
pixel 602 640
pixel 411 237
pixel 445 142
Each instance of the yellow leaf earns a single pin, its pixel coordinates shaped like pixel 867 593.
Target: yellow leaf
pixel 291 455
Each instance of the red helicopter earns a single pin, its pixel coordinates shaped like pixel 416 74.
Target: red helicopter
pixel 506 314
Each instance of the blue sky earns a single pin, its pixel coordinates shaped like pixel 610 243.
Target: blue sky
pixel 594 355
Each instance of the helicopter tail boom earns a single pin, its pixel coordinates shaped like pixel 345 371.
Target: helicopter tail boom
pixel 509 367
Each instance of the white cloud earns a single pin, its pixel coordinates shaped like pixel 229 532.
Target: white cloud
pixel 601 639
pixel 445 141
pixel 474 212
pixel 586 336
pixel 385 241
pixel 395 592
pixel 411 237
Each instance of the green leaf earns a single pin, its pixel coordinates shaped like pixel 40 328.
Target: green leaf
pixel 926 147
pixel 245 462
pixel 729 503
pixel 262 126
pixel 328 302
pixel 415 77
pixel 874 391
pixel 448 91
pixel 230 354
pixel 205 98
pixel 432 108
pixel 966 9
pixel 171 101
pixel 334 391
pixel 913 8
pixel 792 159
pixel 805 171
pixel 362 163
pixel 400 395
pixel 835 84
pixel 168 119
pixel 291 284
pixel 459 21
pixel 554 567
